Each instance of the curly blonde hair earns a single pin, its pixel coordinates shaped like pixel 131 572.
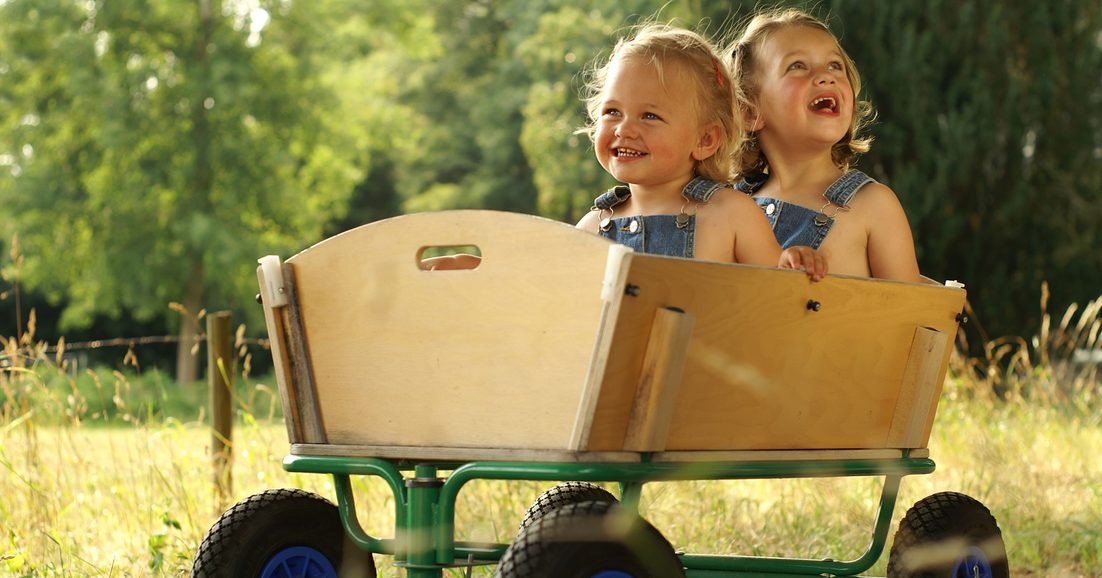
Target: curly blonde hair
pixel 748 157
pixel 663 45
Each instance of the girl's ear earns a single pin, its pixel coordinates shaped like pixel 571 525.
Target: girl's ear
pixel 710 139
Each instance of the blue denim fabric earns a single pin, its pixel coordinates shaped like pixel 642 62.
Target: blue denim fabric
pixel 656 234
pixel 798 225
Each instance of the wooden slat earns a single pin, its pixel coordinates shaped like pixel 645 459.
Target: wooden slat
pixel 919 389
pixel 612 295
pixel 659 381
pixel 305 398
pixel 430 453
pixel 776 455
pixel 281 364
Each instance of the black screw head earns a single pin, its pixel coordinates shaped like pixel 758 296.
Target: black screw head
pixel 813 305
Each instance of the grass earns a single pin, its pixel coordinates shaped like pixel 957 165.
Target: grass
pixel 107 473
pixel 136 500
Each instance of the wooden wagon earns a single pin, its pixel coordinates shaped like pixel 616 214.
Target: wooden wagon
pixel 563 357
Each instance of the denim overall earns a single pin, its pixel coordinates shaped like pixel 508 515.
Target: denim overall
pixel 671 235
pixel 798 225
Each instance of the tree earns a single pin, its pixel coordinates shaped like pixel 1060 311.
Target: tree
pixel 158 147
pixel 989 129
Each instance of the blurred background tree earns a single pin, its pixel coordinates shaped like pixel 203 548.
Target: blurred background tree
pixel 146 146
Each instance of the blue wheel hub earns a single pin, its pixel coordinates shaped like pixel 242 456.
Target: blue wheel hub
pixel 298 562
pixel 973 564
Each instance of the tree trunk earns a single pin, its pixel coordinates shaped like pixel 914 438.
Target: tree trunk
pixel 187 359
pixel 187 354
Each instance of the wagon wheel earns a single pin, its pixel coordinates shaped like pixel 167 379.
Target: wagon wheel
pixel 948 535
pixel 595 539
pixel 283 533
pixel 563 494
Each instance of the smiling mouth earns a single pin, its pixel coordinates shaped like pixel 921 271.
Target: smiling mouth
pixel 824 103
pixel 627 153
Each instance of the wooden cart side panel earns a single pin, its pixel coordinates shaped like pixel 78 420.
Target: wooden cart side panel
pixel 764 371
pixel 491 357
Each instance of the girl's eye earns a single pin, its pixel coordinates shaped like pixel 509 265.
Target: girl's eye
pixel 611 112
pixel 798 65
pixel 651 116
pixel 836 66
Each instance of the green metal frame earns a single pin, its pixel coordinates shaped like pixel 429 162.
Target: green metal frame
pixel 424 542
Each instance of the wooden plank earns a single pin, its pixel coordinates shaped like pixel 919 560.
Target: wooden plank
pixel 416 453
pixel 612 294
pixel 688 457
pixel 659 381
pixel 484 358
pixel 281 364
pixel 305 396
pixel 919 389
pixel 775 455
pixel 764 371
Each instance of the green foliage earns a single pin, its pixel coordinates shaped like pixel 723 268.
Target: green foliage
pixel 157 147
pixel 990 131
pixel 125 186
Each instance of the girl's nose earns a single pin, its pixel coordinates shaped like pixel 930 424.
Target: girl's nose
pixel 824 76
pixel 626 129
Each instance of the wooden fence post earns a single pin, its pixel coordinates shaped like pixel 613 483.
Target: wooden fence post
pixel 220 378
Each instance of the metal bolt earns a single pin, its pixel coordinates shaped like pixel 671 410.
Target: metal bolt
pixel 813 305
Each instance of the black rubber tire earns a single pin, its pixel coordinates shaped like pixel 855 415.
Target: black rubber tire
pixel 563 494
pixel 580 540
pixel 259 527
pixel 940 531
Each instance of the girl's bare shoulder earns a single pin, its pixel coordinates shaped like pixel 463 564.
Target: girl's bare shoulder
pixel 728 198
pixel 589 222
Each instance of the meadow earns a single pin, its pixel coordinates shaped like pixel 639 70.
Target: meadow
pixel 108 472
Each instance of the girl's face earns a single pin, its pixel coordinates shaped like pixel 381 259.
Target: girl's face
pixel 805 100
pixel 648 132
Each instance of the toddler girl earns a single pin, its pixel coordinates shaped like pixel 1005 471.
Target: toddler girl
pixel 799 101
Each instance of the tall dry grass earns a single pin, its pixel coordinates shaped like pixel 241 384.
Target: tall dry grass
pixel 93 485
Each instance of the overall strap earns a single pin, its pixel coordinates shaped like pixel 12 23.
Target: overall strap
pixel 751 182
pixel 701 189
pixel 612 197
pixel 842 190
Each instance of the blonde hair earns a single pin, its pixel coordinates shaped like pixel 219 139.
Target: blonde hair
pixel 664 45
pixel 748 157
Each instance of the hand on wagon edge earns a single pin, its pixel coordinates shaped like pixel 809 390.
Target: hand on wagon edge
pixel 804 259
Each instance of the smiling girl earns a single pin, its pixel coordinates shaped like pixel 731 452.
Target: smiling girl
pixel 799 102
pixel 662 121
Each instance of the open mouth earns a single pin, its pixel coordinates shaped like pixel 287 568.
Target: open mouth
pixel 824 103
pixel 627 153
